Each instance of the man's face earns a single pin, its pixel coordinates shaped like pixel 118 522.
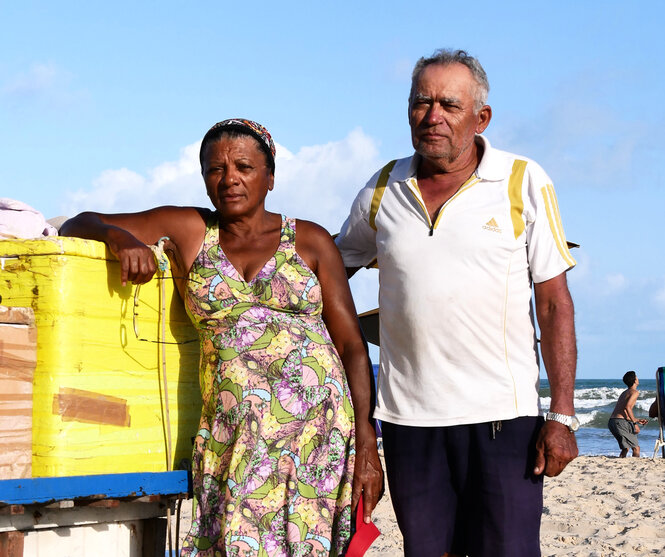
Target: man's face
pixel 441 112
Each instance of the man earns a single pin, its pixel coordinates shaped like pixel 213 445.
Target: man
pixel 460 230
pixel 622 423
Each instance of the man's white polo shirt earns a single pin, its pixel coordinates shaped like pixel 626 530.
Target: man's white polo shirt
pixel 457 328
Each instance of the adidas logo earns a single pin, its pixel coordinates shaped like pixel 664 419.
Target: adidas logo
pixel 492 226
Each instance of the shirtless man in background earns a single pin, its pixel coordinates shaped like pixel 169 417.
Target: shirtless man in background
pixel 622 423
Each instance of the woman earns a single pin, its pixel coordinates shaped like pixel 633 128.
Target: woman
pixel 279 442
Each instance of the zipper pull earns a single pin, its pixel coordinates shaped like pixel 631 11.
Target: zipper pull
pixel 431 230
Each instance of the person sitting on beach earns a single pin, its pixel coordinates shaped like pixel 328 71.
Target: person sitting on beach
pixel 622 423
pixel 286 446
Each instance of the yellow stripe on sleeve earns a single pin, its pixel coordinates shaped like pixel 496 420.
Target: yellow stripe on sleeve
pixel 379 190
pixel 554 219
pixel 515 196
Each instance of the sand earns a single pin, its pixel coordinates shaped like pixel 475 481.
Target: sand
pixel 602 506
pixel 599 506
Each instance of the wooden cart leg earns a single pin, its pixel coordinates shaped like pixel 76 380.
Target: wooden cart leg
pixel 154 537
pixel 11 544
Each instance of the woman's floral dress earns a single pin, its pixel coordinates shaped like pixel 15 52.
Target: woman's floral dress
pixel 273 458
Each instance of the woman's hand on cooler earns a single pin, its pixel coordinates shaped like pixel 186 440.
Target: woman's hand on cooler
pixel 137 261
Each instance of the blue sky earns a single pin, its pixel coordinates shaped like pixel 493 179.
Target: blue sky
pixel 102 106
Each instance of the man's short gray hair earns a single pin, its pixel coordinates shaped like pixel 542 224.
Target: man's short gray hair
pixel 445 57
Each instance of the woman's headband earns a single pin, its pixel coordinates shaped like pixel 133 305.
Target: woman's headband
pixel 254 128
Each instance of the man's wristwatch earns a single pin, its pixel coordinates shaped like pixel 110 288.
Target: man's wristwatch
pixel 571 422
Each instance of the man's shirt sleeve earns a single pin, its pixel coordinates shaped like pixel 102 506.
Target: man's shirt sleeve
pixel 357 239
pixel 546 241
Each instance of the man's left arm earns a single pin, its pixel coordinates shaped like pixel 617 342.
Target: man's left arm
pixel 556 445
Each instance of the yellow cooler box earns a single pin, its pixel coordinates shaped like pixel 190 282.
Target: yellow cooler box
pixel 115 389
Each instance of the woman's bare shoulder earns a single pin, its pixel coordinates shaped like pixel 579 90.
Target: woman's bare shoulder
pixel 315 244
pixel 310 232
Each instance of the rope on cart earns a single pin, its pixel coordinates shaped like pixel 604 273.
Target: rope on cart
pixel 163 265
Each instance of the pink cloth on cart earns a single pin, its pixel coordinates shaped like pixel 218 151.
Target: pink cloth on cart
pixel 19 220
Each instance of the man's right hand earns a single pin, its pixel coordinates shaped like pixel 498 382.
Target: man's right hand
pixel 555 448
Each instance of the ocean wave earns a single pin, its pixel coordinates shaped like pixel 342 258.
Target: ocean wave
pixel 599 418
pixel 587 418
pixel 585 403
pixel 644 404
pixel 600 397
pixel 600 394
pixel 582 403
pixel 596 418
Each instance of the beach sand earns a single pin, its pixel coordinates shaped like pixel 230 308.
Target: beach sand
pixel 602 506
pixel 599 506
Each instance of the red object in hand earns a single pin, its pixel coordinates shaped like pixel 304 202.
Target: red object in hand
pixel 365 534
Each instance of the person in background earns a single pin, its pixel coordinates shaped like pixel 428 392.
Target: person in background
pixel 286 445
pixel 460 231
pixel 622 423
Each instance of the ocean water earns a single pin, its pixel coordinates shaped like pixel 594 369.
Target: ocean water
pixel 594 402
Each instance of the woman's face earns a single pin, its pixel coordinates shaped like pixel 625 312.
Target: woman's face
pixel 236 175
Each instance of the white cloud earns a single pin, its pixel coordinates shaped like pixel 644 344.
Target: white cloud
pixel 186 165
pixel 660 297
pixel 614 283
pixel 582 139
pixel 123 190
pixel 110 189
pixel 651 326
pixel 401 69
pixel 582 271
pixel 317 183
pixel 583 146
pixel 593 286
pixel 37 78
pixel 42 83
